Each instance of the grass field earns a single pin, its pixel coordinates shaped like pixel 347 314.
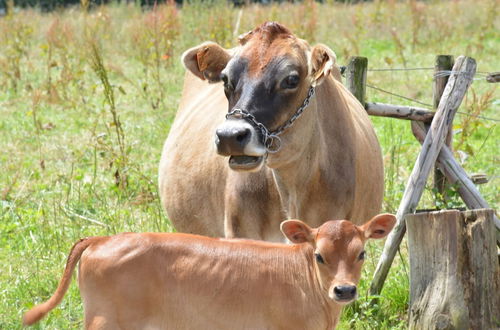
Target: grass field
pixel 87 99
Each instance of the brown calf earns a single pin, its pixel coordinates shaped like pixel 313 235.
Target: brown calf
pixel 183 281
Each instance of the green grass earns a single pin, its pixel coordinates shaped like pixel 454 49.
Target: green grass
pixel 66 172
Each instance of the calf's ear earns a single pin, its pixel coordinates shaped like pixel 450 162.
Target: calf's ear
pixel 323 61
pixel 379 226
pixel 206 61
pixel 297 231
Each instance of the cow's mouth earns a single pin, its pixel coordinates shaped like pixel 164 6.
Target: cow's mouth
pixel 245 163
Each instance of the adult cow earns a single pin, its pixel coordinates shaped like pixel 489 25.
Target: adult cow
pixel 324 165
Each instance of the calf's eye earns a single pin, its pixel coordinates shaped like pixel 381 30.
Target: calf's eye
pixel 319 258
pixel 362 255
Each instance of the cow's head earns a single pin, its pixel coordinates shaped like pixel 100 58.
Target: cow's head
pixel 266 80
pixel 338 248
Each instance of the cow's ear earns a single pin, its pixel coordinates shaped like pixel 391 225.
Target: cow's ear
pixel 206 61
pixel 243 38
pixel 297 231
pixel 322 61
pixel 379 226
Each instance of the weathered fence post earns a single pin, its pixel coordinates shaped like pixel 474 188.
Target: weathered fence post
pixel 399 111
pixel 454 271
pixel 443 63
pixel 457 176
pixel 454 92
pixel 356 77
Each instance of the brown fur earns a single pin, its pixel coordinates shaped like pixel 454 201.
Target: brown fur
pixel 329 166
pixel 182 281
pixel 259 43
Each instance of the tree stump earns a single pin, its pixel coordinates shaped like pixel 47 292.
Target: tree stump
pixel 454 270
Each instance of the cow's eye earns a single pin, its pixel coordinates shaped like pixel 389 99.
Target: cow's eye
pixel 290 82
pixel 225 80
pixel 362 255
pixel 319 258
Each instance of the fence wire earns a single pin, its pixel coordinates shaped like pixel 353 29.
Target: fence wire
pixel 397 95
pixel 442 73
pixel 429 105
pixel 400 69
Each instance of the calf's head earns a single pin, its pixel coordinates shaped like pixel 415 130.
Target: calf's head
pixel 338 248
pixel 266 80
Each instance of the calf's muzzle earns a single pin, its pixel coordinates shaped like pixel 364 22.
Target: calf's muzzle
pixel 344 292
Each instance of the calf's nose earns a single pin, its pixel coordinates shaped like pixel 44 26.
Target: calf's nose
pixel 231 141
pixel 345 292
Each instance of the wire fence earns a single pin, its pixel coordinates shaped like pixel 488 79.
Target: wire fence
pixel 443 73
pixel 401 69
pixel 430 105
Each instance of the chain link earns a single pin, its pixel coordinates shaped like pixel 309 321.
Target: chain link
pixel 272 141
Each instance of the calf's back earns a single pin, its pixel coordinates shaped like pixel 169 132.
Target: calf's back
pixel 164 281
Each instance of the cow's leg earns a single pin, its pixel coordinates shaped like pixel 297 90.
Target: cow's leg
pixel 100 322
pixel 99 315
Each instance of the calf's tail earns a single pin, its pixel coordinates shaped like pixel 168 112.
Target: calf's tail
pixel 39 311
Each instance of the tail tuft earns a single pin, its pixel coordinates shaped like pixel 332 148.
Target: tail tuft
pixel 34 315
pixel 38 312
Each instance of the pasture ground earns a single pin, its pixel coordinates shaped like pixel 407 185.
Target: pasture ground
pixel 87 99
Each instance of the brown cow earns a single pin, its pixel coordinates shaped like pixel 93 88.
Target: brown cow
pixel 183 281
pixel 327 165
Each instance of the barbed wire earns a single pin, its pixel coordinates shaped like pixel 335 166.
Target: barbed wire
pixel 478 116
pixel 397 95
pixel 429 105
pixel 400 69
pixel 437 74
pixel 484 73
pixel 444 73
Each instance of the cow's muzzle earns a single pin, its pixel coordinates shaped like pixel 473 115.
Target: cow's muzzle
pixel 240 141
pixel 232 140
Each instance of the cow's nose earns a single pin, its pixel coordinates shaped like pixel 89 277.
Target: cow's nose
pixel 345 292
pixel 231 141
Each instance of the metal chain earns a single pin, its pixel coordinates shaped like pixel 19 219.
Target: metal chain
pixel 272 141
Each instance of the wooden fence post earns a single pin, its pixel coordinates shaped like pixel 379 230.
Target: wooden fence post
pixel 455 90
pixel 457 176
pixel 443 63
pixel 356 77
pixel 454 271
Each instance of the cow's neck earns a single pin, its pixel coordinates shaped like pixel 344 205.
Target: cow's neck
pixel 297 161
pixel 304 167
pixel 294 183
